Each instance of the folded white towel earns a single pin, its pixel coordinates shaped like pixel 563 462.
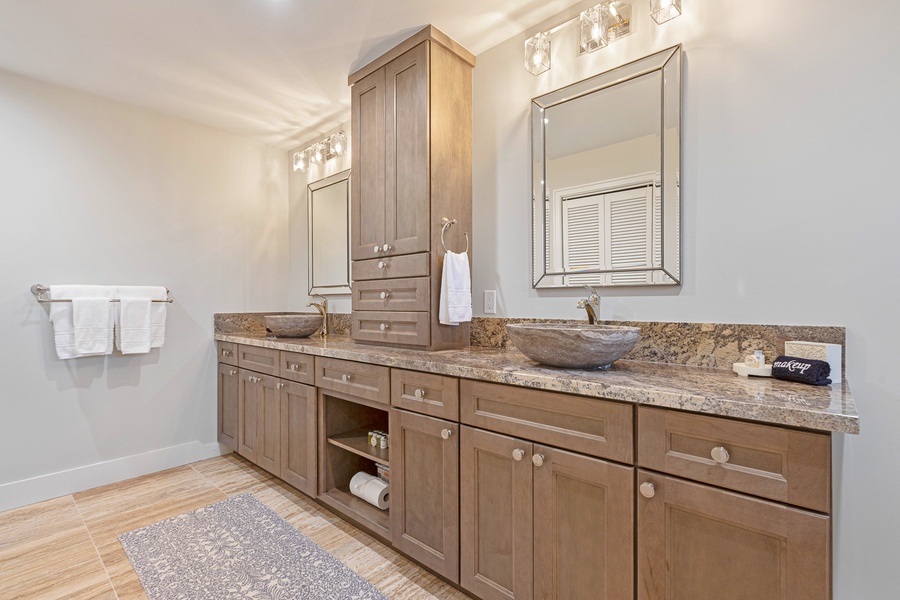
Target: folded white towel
pixel 456 290
pixel 95 320
pixel 140 323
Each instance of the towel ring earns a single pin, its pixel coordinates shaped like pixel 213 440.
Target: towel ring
pixel 447 224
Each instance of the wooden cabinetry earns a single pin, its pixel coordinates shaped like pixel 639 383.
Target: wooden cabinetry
pixel 539 522
pixel 227 396
pixel 298 436
pixel 411 119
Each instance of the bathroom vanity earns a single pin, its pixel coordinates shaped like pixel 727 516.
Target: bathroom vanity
pixel 518 481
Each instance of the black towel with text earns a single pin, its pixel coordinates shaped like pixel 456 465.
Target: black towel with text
pixel 804 370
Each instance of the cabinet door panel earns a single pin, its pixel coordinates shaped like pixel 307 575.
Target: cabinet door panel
pixel 496 516
pixel 696 542
pixel 298 436
pixel 268 450
pixel 425 494
pixel 407 159
pixel 583 528
pixel 227 392
pixel 248 414
pixel 367 163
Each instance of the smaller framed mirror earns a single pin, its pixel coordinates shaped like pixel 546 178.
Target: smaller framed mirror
pixel 329 234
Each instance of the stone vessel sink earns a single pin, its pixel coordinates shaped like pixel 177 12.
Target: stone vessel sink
pixel 294 326
pixel 575 346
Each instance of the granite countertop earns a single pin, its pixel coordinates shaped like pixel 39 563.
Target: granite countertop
pixel 704 390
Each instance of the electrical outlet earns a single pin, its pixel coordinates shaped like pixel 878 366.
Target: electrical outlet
pixel 490 302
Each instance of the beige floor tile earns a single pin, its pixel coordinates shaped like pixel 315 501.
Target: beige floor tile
pixel 82 581
pixel 233 474
pixel 124 580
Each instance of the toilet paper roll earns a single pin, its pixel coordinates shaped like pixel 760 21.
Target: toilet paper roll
pixel 371 489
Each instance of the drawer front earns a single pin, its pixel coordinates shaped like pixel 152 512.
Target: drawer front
pixel 411 328
pixel 587 425
pixel 297 367
pixel 227 353
pixel 425 393
pixel 392 294
pixel 261 360
pixel 391 267
pixel 771 462
pixel 372 382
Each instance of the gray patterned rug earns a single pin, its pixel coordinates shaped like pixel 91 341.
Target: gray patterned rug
pixel 238 548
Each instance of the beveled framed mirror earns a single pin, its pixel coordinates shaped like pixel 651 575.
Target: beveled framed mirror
pixel 328 203
pixel 606 162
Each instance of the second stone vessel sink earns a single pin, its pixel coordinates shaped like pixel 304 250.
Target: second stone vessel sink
pixel 575 346
pixel 294 326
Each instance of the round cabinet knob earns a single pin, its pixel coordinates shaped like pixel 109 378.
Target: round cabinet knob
pixel 377 249
pixel 380 264
pixel 648 490
pixel 720 455
pixel 383 327
pixel 232 372
pixel 537 459
pixel 226 352
pixel 386 247
pixel 294 367
pixel 518 454
pixel 420 394
pixel 279 385
pixel 384 295
pixel 446 433
pixel 345 378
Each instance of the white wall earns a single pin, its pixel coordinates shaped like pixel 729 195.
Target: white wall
pixel 299 226
pixel 98 192
pixel 790 137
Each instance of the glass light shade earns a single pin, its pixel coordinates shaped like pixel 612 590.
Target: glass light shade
pixel 664 10
pixel 318 154
pixel 537 54
pixel 339 144
pixel 301 161
pixel 594 30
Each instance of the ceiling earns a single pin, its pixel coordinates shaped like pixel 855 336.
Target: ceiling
pixel 270 70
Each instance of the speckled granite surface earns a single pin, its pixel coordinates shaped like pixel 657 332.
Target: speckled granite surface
pixel 705 390
pixel 338 324
pixel 696 344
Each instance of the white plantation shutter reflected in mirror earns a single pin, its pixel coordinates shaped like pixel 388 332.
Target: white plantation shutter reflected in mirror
pixel 584 238
pixel 629 220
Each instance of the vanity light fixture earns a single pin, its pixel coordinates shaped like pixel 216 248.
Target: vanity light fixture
pixel 537 53
pixel 333 146
pixel 339 144
pixel 664 10
pixel 594 28
pixel 301 160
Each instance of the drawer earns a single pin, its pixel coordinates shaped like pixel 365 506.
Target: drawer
pixel 371 382
pixel 771 462
pixel 227 353
pixel 587 425
pixel 412 328
pixel 391 267
pixel 261 360
pixel 297 367
pixel 425 393
pixel 392 294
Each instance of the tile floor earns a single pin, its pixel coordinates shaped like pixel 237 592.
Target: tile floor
pixel 67 547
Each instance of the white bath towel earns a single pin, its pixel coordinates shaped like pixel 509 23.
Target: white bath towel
pixel 456 290
pixel 140 323
pixel 95 324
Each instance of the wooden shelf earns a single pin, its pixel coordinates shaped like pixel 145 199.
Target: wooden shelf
pixel 359 509
pixel 356 441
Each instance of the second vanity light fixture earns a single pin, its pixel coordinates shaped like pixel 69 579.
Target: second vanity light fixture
pixel 331 147
pixel 598 26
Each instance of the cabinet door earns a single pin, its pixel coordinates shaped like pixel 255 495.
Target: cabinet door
pixel 228 405
pixel 496 515
pixel 248 413
pixel 407 155
pixel 268 449
pixel 425 494
pixel 367 163
pixel 298 436
pixel 583 527
pixel 697 542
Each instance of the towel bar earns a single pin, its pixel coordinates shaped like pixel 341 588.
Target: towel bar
pixel 39 290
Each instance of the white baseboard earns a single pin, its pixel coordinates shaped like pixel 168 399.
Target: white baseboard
pixel 62 483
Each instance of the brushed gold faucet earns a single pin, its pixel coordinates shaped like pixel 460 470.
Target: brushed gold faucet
pixel 589 303
pixel 322 307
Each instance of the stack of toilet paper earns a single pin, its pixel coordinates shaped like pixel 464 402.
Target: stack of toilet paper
pixel 373 490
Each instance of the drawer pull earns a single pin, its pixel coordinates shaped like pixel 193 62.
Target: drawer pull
pixel 381 264
pixel 227 353
pixel 720 455
pixel 293 366
pixel 383 326
pixel 384 295
pixel 279 386
pixel 232 372
pixel 253 379
pixel 386 247
pixel 648 490
pixel 345 378
pixel 446 433
pixel 518 454
pixel 420 394
pixel 377 249
pixel 537 460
